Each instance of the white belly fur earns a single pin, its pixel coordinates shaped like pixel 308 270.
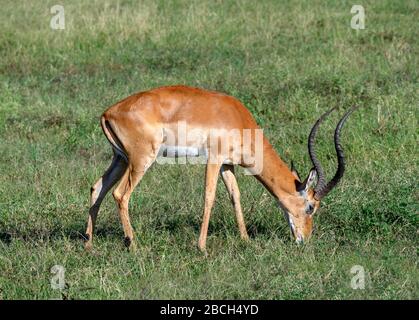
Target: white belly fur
pixel 166 151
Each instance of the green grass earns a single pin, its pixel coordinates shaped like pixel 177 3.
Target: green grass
pixel 287 61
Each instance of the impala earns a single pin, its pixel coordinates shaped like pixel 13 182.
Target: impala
pixel 139 128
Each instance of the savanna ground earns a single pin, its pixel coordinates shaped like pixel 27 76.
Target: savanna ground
pixel 287 61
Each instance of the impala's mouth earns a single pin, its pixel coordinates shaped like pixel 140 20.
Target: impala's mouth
pixel 298 237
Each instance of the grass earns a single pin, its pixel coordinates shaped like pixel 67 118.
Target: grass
pixel 288 62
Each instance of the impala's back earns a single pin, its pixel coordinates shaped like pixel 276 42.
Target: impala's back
pixel 185 122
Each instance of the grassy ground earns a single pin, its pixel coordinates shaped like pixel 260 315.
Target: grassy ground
pixel 287 61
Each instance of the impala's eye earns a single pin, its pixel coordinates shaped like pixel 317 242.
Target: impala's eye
pixel 309 209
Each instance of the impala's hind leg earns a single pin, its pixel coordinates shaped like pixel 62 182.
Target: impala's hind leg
pixel 227 173
pixel 99 191
pixel 122 193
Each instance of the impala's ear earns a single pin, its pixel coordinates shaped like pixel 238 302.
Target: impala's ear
pixel 294 171
pixel 311 179
pixel 309 182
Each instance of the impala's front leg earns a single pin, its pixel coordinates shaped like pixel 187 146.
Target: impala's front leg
pixel 211 177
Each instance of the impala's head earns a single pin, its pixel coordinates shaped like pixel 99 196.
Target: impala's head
pixel 300 207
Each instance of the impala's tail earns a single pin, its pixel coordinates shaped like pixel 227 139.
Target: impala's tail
pixel 113 139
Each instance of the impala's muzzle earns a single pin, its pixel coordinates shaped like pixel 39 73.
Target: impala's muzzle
pixel 299 238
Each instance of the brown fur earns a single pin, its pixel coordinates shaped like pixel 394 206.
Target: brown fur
pixel 134 126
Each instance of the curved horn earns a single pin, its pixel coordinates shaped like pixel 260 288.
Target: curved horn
pixel 324 190
pixel 311 142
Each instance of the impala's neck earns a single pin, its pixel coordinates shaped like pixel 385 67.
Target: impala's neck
pixel 275 175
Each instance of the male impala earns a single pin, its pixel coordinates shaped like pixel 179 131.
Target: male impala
pixel 138 128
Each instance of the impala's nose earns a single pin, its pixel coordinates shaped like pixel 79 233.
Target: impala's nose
pixel 299 239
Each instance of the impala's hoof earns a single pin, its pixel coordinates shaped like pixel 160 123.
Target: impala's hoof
pixel 203 250
pixel 88 246
pixel 130 244
pixel 245 237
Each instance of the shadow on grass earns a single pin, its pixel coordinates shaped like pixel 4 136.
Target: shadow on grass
pixel 73 233
pixel 255 228
pixel 6 238
pixel 175 224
